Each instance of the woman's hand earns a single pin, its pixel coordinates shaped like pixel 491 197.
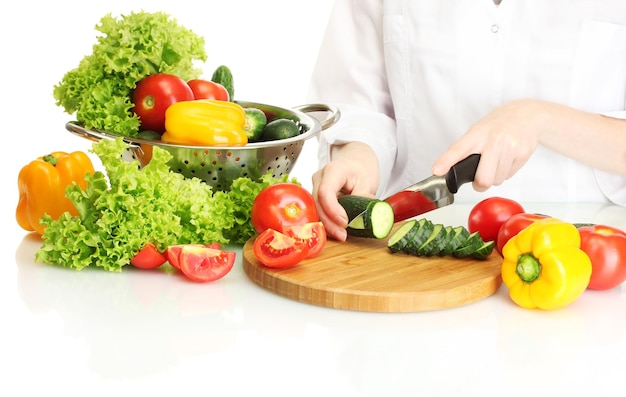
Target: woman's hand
pixel 508 136
pixel 352 170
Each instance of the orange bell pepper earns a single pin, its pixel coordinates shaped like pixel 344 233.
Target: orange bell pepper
pixel 42 184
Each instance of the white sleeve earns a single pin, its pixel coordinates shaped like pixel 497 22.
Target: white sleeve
pixel 350 73
pixel 613 186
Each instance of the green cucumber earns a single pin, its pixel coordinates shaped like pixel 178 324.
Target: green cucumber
pixel 431 245
pixel 255 122
pixel 471 244
pixel 459 236
pixel 484 250
pixel 402 236
pixel 222 75
pixel 424 230
pixel 280 129
pixel 378 219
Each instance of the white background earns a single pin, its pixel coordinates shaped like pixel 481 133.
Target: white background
pixel 270 46
pixel 146 334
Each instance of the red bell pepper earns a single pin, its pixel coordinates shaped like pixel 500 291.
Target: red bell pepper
pixel 606 247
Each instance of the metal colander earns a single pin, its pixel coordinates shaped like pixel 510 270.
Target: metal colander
pixel 219 166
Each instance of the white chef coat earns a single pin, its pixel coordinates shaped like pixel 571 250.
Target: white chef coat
pixel 410 77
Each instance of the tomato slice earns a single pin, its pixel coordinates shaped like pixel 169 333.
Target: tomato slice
pixel 275 249
pixel 202 264
pixel 148 257
pixel 313 234
pixel 173 251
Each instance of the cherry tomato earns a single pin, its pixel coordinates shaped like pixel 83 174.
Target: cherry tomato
pixel 202 264
pixel 515 224
pixel 154 94
pixel 148 257
pixel 281 205
pixel 206 89
pixel 173 251
pixel 313 234
pixel 488 215
pixel 275 249
pixel 606 247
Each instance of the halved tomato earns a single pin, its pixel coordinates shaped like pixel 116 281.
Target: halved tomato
pixel 275 249
pixel 173 251
pixel 202 264
pixel 313 234
pixel 148 257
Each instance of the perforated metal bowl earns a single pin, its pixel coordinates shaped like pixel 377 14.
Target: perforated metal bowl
pixel 219 166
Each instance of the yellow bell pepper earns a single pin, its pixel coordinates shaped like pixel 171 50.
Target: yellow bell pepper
pixel 42 183
pixel 544 267
pixel 205 122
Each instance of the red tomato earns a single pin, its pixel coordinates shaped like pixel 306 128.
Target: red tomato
pixel 515 224
pixel 154 94
pixel 206 89
pixel 202 264
pixel 281 205
pixel 148 257
pixel 606 247
pixel 488 215
pixel 313 234
pixel 173 251
pixel 275 249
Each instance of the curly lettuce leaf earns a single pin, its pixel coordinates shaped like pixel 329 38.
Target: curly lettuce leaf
pixel 130 48
pixel 121 211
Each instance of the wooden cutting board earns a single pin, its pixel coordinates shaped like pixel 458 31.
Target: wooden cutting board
pixel 361 274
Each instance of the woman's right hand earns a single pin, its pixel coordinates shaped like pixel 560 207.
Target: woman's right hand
pixel 352 170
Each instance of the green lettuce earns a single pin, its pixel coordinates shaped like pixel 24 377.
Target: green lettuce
pixel 121 211
pixel 131 47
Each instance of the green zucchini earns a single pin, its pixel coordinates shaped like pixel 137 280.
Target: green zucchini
pixel 378 219
pixel 222 75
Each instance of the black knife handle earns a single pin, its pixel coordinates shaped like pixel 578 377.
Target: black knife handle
pixel 462 172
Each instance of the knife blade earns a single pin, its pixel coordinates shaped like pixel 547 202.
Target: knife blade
pixel 429 194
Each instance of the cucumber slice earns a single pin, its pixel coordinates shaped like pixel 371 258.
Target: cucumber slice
pixel 378 219
pixel 431 245
pixel 459 236
pixel 445 241
pixel 424 229
pixel 484 250
pixel 473 242
pixel 401 237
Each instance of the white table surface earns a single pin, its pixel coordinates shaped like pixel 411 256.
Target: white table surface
pixel 93 333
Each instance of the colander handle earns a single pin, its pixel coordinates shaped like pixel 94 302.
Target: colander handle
pixel 333 113
pixel 94 135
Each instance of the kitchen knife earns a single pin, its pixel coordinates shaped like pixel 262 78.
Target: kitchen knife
pixel 429 194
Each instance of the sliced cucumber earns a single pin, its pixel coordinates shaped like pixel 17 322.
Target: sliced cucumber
pixel 377 220
pixel 402 236
pixel 424 230
pixel 459 236
pixel 431 246
pixel 484 250
pixel 471 244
